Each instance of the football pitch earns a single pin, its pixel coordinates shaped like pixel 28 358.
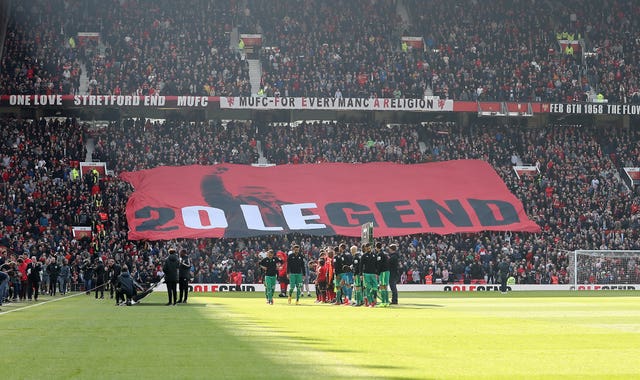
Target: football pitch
pixel 550 335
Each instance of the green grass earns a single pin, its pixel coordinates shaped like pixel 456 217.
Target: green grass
pixel 430 335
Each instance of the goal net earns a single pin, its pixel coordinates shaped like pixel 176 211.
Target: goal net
pixel 605 267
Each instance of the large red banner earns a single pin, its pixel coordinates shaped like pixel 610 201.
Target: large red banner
pixel 321 199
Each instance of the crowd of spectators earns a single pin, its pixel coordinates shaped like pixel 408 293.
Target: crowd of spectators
pixel 158 47
pixel 610 29
pixel 37 57
pixel 144 48
pixel 472 50
pixel 142 144
pixel 578 198
pixel 502 50
pixel 315 142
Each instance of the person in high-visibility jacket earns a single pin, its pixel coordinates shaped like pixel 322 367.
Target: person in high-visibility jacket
pixel 568 50
pixel 75 174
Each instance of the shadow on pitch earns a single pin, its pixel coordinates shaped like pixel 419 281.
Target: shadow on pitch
pixel 380 366
pixel 338 350
pixel 416 306
pixel 179 306
pixel 308 340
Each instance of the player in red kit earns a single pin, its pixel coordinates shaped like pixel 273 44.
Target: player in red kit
pixel 322 280
pixel 331 294
pixel 282 273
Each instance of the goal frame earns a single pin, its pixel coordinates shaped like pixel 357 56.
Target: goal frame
pixel 620 253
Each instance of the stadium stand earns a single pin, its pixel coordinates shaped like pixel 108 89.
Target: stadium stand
pixel 473 51
pixel 147 47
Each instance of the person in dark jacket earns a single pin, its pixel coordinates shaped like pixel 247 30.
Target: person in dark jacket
pixel 4 284
pixel 99 275
pixel 54 271
pixel 503 273
pixel 125 289
pixel 170 269
pixel 394 272
pixel 87 275
pixel 113 273
pixel 184 274
pixel 65 276
pixel 34 268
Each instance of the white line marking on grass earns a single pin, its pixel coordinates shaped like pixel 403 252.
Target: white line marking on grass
pixel 38 303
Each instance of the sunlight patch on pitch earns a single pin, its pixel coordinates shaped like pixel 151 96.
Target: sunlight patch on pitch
pixel 624 327
pixel 275 344
pixel 551 309
pixel 562 314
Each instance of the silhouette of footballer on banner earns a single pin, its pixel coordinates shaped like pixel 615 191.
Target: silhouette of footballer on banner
pixel 216 195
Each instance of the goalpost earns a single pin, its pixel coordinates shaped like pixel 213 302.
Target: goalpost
pixel 605 267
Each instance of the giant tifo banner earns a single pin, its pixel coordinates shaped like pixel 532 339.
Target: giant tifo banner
pixel 229 200
pixel 338 104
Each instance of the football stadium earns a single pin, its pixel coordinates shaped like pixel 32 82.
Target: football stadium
pixel 305 189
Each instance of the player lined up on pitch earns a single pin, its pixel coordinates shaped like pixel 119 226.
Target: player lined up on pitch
pixel 270 266
pixel 344 277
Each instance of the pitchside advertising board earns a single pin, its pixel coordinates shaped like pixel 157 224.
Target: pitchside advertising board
pixel 216 288
pixel 234 201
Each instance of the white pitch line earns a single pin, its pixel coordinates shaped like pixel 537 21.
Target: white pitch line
pixel 36 303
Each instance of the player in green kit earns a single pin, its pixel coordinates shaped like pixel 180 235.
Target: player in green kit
pixel 270 267
pixel 370 275
pixel 295 271
pixel 358 294
pixel 382 261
